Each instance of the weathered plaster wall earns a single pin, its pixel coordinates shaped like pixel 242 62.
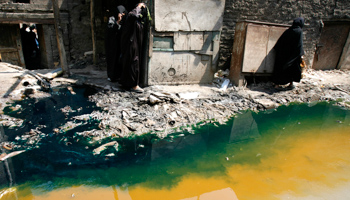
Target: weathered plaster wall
pixel 80 38
pixel 282 12
pixel 33 6
pixel 77 22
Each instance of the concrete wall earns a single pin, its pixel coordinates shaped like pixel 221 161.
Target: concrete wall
pixel 282 12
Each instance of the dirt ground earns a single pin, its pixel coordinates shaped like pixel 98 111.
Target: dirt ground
pixel 166 109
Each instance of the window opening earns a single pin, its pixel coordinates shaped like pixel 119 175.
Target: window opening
pixel 21 1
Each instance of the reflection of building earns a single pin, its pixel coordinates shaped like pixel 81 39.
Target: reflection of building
pixel 244 128
pixel 180 146
pixel 7 175
pixel 223 194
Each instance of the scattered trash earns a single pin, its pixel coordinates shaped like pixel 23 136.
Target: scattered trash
pixel 337 87
pixel 71 90
pixel 46 85
pixel 171 120
pixel 221 73
pixel 153 100
pixel 7 147
pixel 225 84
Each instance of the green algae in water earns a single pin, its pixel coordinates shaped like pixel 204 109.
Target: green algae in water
pixel 266 155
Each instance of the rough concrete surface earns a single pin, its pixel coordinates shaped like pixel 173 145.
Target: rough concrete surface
pixel 167 109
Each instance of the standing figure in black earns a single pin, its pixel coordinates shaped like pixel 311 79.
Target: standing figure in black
pixel 112 43
pixel 132 42
pixel 289 50
pixel 30 47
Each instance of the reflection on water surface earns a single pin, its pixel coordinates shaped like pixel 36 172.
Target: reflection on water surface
pixel 295 152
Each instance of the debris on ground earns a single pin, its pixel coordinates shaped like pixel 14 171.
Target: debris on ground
pixel 162 110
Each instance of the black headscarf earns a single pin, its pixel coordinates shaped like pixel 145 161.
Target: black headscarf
pixel 298 22
pixel 121 9
pixel 290 45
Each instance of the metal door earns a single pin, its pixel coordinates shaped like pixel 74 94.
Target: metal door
pixel 331 45
pixel 184 44
pixel 260 39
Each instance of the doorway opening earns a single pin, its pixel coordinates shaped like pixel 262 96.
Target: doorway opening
pixel 21 1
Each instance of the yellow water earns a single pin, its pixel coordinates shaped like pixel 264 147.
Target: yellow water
pixel 311 165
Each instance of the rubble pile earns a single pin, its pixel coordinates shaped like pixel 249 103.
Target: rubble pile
pixel 127 113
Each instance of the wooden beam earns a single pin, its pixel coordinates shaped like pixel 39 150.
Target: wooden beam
pixel 93 28
pixel 59 37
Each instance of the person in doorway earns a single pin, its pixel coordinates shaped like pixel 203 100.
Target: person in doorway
pixel 131 44
pixel 289 51
pixel 112 43
pixel 34 46
pixel 30 47
pixel 25 45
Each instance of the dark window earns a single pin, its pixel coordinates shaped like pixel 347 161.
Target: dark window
pixel 21 1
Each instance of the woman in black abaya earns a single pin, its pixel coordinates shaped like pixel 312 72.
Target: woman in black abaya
pixel 289 50
pixel 131 44
pixel 112 43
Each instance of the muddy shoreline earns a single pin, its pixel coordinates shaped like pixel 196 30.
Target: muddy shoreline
pixel 163 110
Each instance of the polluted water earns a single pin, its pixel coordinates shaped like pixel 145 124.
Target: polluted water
pixel 300 151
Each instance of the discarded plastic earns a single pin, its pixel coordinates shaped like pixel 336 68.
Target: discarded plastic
pixel 225 84
pixel 188 95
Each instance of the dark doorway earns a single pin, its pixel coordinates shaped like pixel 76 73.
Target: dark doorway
pixel 330 47
pixel 21 1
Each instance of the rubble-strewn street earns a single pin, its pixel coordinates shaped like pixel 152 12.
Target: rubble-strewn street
pixel 166 109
